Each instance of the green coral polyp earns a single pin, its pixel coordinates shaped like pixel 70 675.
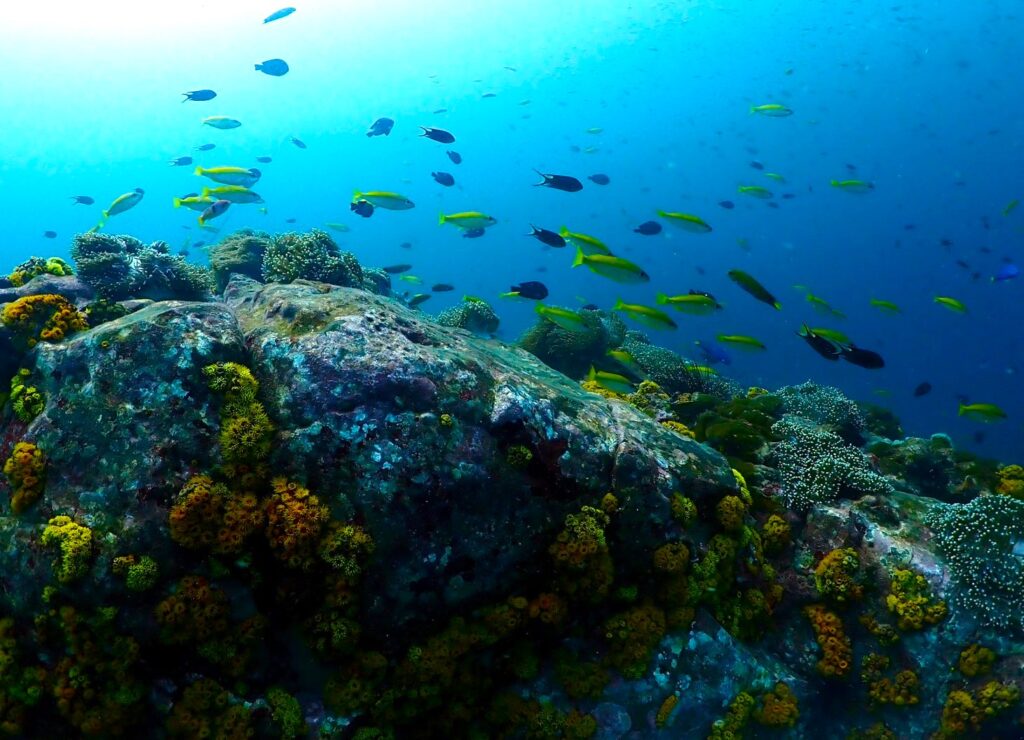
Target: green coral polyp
pixel 75 544
pixel 26 400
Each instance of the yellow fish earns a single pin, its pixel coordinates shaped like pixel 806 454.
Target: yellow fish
pixel 686 222
pixel 468 220
pixel 951 303
pixel 589 244
pixel 772 110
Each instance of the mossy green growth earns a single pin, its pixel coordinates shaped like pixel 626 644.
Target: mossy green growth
pixel 140 574
pixel 286 712
pixel 27 401
pixel 518 456
pixel 75 543
pixel 246 430
pixel 36 266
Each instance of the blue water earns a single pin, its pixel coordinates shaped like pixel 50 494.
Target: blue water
pixel 920 97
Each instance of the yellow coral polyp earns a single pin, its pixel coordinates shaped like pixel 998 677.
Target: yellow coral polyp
pixel 25 470
pixel 665 710
pixel 295 521
pixel 679 428
pixel 1011 481
pixel 47 317
pixel 778 707
pixel 835 576
pixel 910 599
pixel 730 512
pixel 976 660
pixel 75 543
pixel 672 557
pixel 837 653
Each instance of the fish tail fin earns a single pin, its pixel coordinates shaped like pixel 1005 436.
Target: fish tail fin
pixel 256 67
pixel 198 171
pixel 545 177
pixel 356 195
pixel 441 219
pixel 777 306
pixel 962 410
pixel 592 374
pixel 205 193
pixel 563 232
pixel 619 305
pixel 753 109
pixel 177 202
pixel 538 308
pixel 105 215
pixel 835 183
pixel 661 299
pixel 534 231
pixel 579 258
pixel 661 213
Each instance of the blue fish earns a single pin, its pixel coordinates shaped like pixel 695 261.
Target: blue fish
pixel 1009 271
pixel 85 200
pixel 181 161
pixel 381 127
pixel 50 234
pixel 443 178
pixel 199 95
pixel 205 147
pixel 264 160
pixel 278 15
pixel 273 67
pixel 454 156
pixel 648 228
pixel 297 142
pixel 473 233
pixel 713 353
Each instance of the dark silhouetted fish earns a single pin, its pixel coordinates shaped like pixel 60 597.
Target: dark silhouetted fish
pixel 405 245
pixel 864 358
pixel 362 208
pixel 454 156
pixel 727 204
pixel 443 178
pixel 278 15
pixel 290 220
pixel 648 228
pixel 205 147
pixel 756 165
pixel 473 233
pixel 560 182
pixel 438 135
pixel 381 127
pixel 824 347
pixel 273 67
pixel 50 234
pixel 199 95
pixel 181 161
pixel 923 389
pixel 297 142
pixel 443 288
pixel 550 238
pixel 532 289
pixel 264 160
pixel 84 200
pixel 397 269
pixel 599 179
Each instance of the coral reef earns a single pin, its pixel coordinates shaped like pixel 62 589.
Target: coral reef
pixel 121 267
pixel 475 316
pixel 36 266
pixel 309 256
pixel 241 252
pixel 574 352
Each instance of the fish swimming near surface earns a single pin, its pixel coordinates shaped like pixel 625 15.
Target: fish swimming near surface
pixel 243 176
pixel 599 179
pixel 381 127
pixel 273 67
pixel 436 134
pixel 468 220
pixel 754 288
pixel 545 236
pixel 222 122
pixel 772 110
pixel 560 182
pixel 215 209
pixel 84 200
pixel 279 14
pixel 532 289
pixel 199 95
pixel 614 268
pixel 454 156
pixel 383 199
pixel 443 178
pixel 648 228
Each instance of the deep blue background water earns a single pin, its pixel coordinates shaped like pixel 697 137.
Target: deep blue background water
pixel 921 97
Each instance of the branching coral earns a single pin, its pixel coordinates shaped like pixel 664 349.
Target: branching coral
pixel 25 470
pixel 825 406
pixel 475 316
pixel 295 521
pixel 673 373
pixel 36 266
pixel 837 653
pixel 910 599
pixel 120 267
pixel 47 317
pixel 817 466
pixel 241 252
pixel 310 256
pixel 75 543
pixel 978 540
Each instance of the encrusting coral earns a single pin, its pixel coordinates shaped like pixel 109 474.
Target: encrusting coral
pixel 25 470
